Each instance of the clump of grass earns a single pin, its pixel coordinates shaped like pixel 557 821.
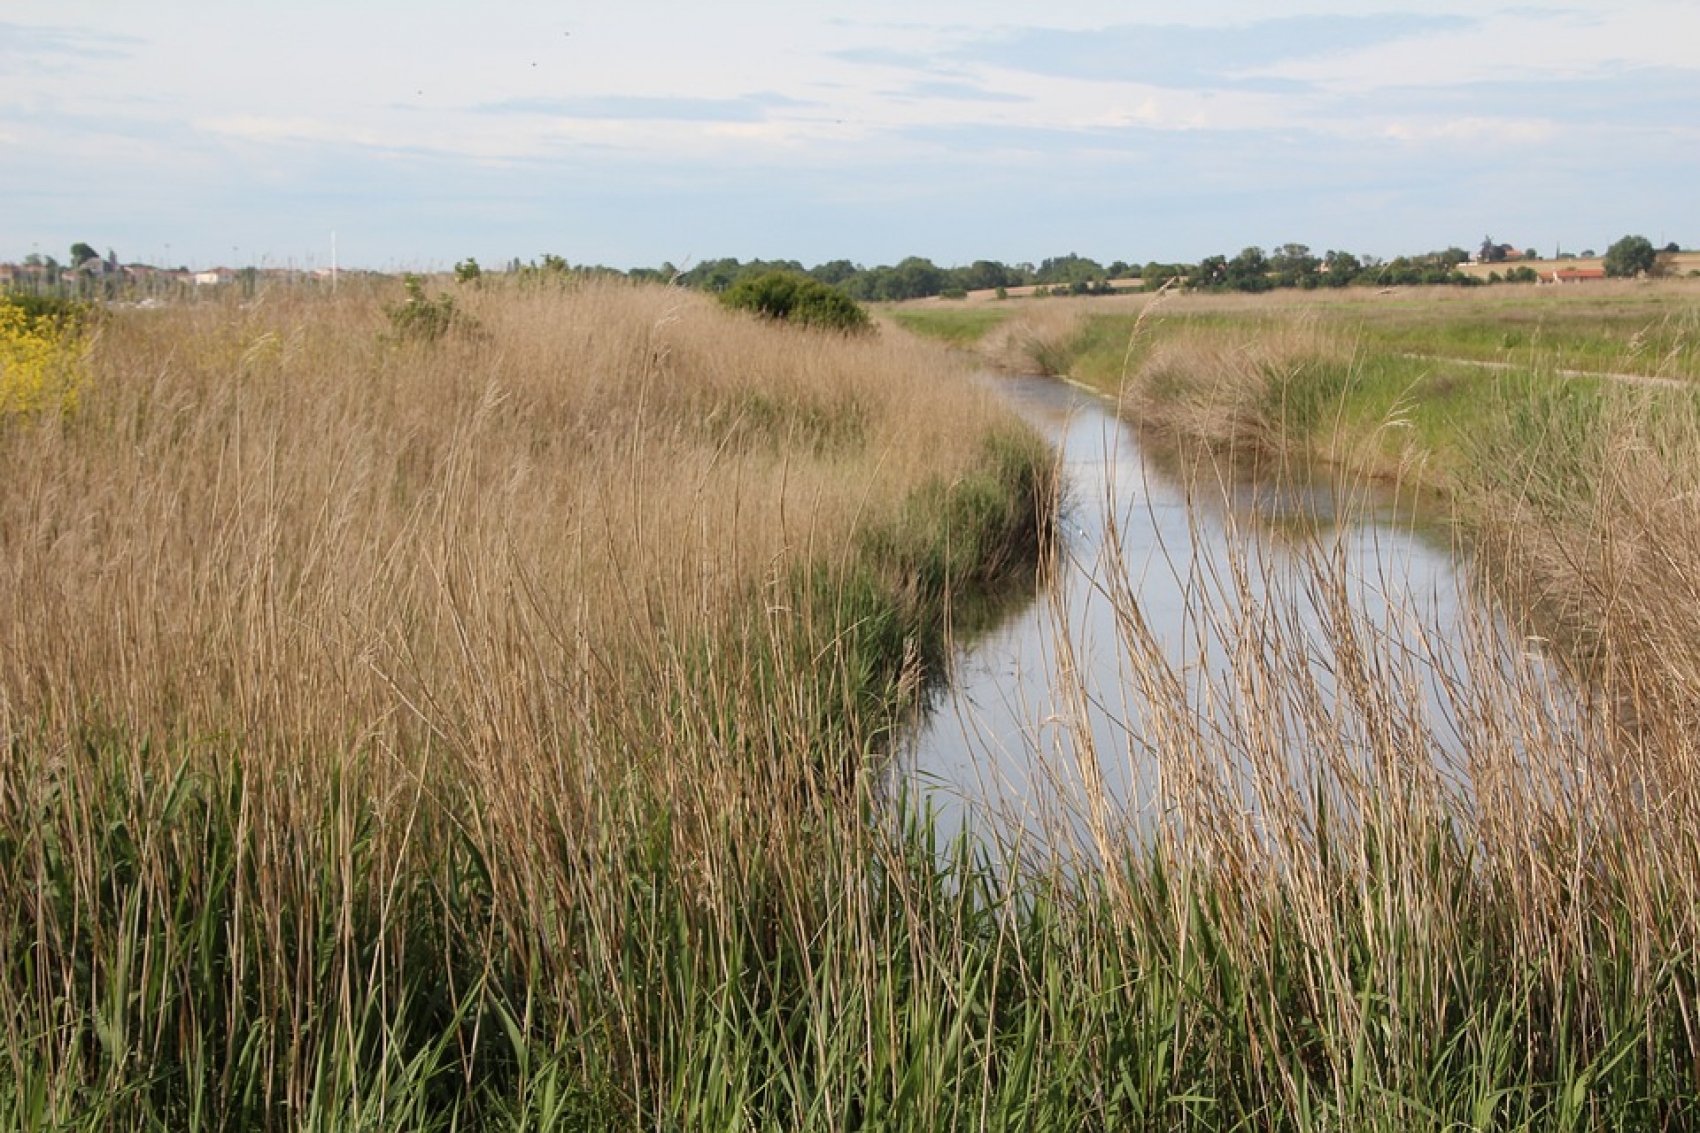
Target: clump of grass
pixel 1259 391
pixel 1036 339
pixel 1588 523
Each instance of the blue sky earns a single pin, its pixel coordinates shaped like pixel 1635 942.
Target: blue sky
pixel 641 132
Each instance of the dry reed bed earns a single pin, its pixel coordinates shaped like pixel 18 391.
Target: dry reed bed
pixel 399 735
pixel 269 523
pixel 374 617
pixel 1548 834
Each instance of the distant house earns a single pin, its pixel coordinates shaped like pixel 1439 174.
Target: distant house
pixel 1576 275
pixel 214 277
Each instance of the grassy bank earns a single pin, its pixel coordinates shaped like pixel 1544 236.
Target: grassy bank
pixel 408 717
pixel 1558 836
pixel 485 733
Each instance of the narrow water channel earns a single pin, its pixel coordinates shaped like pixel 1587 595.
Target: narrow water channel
pixel 1041 703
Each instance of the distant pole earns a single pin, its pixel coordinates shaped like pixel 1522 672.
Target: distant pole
pixel 333 262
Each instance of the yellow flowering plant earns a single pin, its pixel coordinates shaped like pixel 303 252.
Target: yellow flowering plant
pixel 41 360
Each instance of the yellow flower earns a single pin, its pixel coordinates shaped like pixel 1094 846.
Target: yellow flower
pixel 41 364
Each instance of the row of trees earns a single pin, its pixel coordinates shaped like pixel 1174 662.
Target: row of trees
pixel 915 277
pixel 1253 269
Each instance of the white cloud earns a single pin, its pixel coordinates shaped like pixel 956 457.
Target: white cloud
pixel 1475 131
pixel 556 114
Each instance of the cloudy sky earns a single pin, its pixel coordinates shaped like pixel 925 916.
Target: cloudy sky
pixel 636 132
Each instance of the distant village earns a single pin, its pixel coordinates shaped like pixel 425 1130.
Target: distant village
pixel 97 277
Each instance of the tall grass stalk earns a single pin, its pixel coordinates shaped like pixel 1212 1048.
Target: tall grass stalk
pixel 487 732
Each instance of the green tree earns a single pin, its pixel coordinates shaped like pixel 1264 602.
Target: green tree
pixel 913 278
pixel 1157 275
pixel 1069 269
pixel 1341 268
pixel 984 275
pixel 1249 271
pixel 1294 266
pixel 834 272
pixel 82 253
pixel 1630 256
pixel 1211 274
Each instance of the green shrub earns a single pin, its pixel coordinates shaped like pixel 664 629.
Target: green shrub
pixel 792 298
pixel 423 319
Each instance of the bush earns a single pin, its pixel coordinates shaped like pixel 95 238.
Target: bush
pixel 41 354
pixel 423 319
pixel 792 298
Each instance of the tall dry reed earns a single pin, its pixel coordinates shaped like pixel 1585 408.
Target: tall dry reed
pixel 380 670
pixel 407 737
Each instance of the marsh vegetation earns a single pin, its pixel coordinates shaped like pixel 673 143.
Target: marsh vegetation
pixel 491 730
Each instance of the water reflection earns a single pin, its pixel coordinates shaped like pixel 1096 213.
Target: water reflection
pixel 1044 723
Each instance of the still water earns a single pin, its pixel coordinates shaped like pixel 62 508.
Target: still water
pixel 1044 705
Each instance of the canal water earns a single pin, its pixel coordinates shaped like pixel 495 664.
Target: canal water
pixel 1040 720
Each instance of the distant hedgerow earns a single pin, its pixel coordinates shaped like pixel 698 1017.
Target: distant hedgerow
pixel 798 299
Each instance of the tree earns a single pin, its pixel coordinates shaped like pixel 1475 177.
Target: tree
pixel 913 278
pixel 1210 274
pixel 1294 266
pixel 82 254
pixel 1069 269
pixel 983 275
pixel 1157 275
pixel 834 272
pixel 1630 256
pixel 1341 268
pixel 1249 271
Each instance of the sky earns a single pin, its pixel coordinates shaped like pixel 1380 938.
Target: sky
pixel 408 136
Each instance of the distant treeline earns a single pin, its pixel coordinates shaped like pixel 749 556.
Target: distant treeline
pixel 1290 265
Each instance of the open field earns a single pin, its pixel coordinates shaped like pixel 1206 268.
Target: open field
pixel 1393 385
pixel 489 732
pixel 1680 264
